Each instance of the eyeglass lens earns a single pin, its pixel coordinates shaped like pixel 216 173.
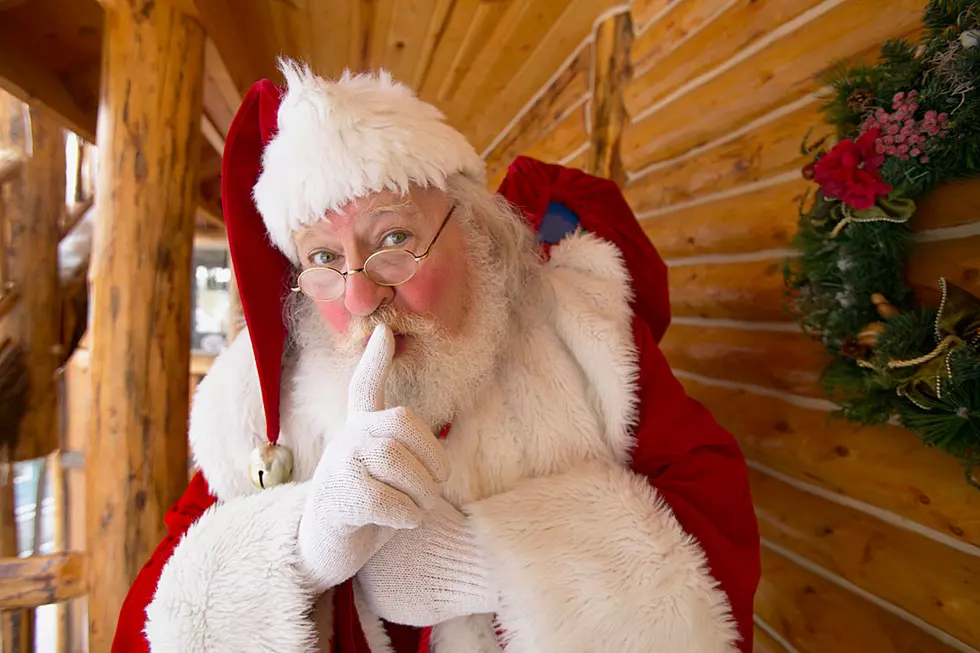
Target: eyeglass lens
pixel 387 268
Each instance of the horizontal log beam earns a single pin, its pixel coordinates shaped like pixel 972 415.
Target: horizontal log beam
pixel 816 616
pixel 767 218
pixel 789 67
pixel 41 580
pixel 748 222
pixel 644 10
pixel 766 151
pixel 786 361
pixel 24 77
pixel 764 642
pixel 885 466
pixel 957 260
pixel 951 204
pixel 874 555
pixel 554 144
pixel 667 55
pixel 754 290
pixel 739 291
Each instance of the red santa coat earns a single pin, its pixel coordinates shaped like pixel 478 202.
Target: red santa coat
pixel 693 466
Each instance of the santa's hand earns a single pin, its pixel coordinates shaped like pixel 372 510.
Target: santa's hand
pixel 380 474
pixel 430 574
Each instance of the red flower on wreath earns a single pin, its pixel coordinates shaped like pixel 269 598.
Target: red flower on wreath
pixel 849 172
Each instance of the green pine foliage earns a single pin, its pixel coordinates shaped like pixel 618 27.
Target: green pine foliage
pixel 829 287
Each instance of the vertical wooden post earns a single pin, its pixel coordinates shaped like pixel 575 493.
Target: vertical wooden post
pixel 611 73
pixel 149 150
pixel 33 206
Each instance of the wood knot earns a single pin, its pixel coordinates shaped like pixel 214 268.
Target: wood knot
pixel 842 451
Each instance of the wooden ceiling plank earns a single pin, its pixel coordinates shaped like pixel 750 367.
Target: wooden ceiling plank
pixel 24 77
pixel 295 28
pixel 329 56
pixel 479 37
pixel 496 104
pixel 362 24
pixel 380 32
pixel 412 33
pixel 519 28
pixel 10 4
pixel 456 28
pixel 433 37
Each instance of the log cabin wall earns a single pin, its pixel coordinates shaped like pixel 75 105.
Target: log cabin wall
pixel 870 540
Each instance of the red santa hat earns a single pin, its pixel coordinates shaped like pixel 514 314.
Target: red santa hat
pixel 294 153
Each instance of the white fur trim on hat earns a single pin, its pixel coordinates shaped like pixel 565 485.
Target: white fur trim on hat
pixel 339 140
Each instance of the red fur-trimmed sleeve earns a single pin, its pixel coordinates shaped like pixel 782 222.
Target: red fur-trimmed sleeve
pixel 129 637
pixel 699 470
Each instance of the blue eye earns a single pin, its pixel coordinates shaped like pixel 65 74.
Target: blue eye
pixel 395 239
pixel 322 258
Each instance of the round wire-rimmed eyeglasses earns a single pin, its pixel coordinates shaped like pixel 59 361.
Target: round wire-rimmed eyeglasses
pixel 386 267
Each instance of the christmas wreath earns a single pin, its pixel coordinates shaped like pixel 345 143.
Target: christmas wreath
pixel 903 126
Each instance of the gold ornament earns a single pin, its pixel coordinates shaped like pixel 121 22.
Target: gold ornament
pixel 868 336
pixel 270 465
pixel 885 308
pixel 957 324
pixel 861 100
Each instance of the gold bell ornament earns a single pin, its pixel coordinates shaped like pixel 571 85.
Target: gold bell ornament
pixel 270 465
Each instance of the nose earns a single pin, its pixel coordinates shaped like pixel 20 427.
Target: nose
pixel 363 296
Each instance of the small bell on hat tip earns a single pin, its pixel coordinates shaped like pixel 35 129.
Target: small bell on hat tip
pixel 270 465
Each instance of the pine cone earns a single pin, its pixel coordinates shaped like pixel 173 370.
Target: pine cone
pixel 861 100
pixel 851 348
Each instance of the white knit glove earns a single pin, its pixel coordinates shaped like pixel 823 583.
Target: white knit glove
pixel 430 574
pixel 378 475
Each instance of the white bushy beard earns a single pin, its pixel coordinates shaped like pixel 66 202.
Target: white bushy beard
pixel 440 374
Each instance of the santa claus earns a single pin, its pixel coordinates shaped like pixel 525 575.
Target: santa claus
pixel 447 426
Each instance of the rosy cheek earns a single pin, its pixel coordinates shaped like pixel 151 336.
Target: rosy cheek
pixel 335 314
pixel 432 291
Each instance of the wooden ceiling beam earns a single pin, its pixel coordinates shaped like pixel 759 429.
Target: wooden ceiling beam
pixel 23 77
pixel 241 40
pixel 212 135
pixel 209 212
pixel 40 580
